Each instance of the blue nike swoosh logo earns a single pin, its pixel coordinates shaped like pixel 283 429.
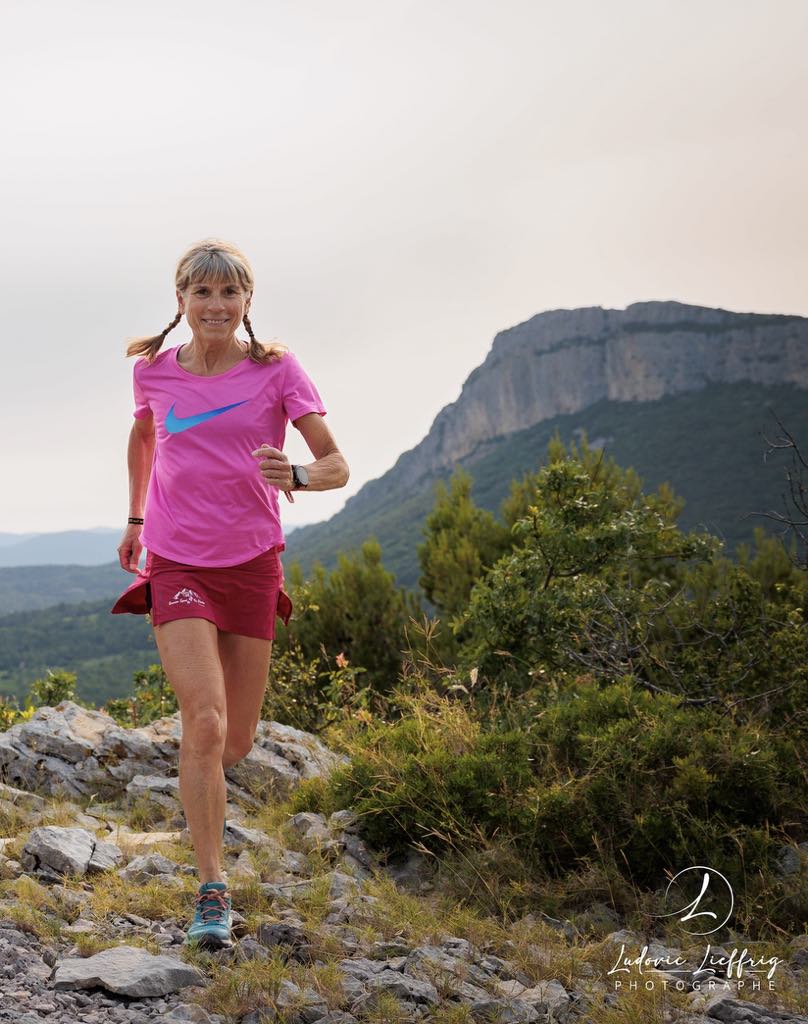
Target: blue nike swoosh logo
pixel 176 424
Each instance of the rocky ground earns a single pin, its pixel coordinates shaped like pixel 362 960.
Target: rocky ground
pixel 93 910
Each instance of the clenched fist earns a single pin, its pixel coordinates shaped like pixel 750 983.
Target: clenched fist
pixel 275 467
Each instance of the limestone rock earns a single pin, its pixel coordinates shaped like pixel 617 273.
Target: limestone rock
pixel 58 850
pixel 243 869
pixel 21 798
pixel 73 751
pixel 147 865
pixel 159 788
pixel 402 986
pixel 187 1013
pixel 241 835
pixel 548 997
pixel 722 1007
pixel 126 970
pixel 791 859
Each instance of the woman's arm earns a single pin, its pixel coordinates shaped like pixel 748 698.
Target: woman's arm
pixel 328 471
pixel 139 460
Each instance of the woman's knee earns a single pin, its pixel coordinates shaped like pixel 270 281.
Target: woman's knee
pixel 204 729
pixel 236 749
pixel 191 662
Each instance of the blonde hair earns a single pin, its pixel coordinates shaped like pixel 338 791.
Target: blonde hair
pixel 210 260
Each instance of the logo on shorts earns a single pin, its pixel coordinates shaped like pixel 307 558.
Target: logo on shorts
pixel 186 596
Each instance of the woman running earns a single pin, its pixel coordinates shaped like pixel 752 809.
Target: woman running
pixel 206 464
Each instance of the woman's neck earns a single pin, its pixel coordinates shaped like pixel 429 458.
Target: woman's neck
pixel 211 359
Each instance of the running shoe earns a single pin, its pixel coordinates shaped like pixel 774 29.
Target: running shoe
pixel 211 925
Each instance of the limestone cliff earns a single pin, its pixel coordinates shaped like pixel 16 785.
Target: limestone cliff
pixel 564 360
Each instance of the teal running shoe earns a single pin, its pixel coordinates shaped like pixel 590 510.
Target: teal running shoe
pixel 211 925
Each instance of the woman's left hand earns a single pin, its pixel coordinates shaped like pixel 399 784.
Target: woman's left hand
pixel 275 467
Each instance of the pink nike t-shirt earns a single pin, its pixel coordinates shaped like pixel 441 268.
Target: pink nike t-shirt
pixel 207 503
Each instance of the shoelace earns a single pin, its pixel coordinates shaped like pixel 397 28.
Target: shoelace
pixel 219 903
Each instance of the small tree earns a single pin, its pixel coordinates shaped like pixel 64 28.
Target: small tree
pixel 152 698
pixel 795 521
pixel 591 558
pixel 356 610
pixel 461 541
pixel 57 686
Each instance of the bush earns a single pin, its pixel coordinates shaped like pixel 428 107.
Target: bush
pixel 431 777
pixel 356 611
pixel 638 783
pixel 153 697
pixel 660 784
pixel 56 686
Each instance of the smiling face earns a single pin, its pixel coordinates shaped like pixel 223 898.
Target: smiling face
pixel 214 309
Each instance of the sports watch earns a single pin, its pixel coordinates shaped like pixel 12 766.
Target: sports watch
pixel 300 476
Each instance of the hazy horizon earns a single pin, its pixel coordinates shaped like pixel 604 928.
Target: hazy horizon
pixel 406 181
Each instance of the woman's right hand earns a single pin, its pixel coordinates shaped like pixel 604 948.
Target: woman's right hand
pixel 130 547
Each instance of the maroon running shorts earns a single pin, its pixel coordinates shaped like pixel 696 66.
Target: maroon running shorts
pixel 244 598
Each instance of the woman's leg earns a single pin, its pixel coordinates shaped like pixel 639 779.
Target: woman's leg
pixel 190 657
pixel 245 663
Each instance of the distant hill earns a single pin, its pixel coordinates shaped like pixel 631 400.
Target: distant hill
pixel 35 585
pixel 13 538
pixel 27 587
pixel 66 547
pixel 104 650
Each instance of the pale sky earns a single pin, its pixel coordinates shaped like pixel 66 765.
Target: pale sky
pixel 406 179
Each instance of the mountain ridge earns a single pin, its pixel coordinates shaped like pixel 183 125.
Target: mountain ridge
pixel 596 359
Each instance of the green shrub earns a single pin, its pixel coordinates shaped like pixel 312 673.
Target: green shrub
pixel 152 697
pixel 661 784
pixel 356 611
pixel 611 774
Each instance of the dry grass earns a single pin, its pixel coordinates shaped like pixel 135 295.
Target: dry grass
pixel 477 896
pixel 233 990
pixel 152 899
pixel 33 907
pixel 325 979
pixel 13 819
pixel 142 814
pixel 28 919
pixel 89 943
pixel 642 1006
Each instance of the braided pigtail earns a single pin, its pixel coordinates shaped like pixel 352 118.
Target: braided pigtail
pixel 150 346
pixel 259 352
